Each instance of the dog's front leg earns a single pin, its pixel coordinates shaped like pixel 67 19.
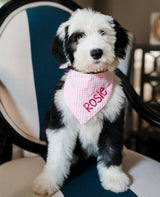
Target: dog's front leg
pixel 110 157
pixel 61 143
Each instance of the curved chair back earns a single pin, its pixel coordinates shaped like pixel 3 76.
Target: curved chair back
pixel 28 73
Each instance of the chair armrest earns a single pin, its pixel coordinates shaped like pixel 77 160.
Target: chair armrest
pixel 10 133
pixel 5 149
pixel 140 107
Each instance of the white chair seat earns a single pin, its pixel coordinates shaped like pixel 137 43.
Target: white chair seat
pixel 16 177
pixel 144 172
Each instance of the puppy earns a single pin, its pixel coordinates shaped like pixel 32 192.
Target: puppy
pixel 88 103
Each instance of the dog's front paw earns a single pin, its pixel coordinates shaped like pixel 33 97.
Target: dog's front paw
pixel 45 185
pixel 114 179
pixel 117 183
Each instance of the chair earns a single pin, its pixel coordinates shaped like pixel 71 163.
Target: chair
pixel 23 44
pixel 26 84
pixel 146 81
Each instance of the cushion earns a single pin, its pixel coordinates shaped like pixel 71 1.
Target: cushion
pixel 16 178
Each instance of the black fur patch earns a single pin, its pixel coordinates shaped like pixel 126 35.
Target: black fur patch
pixel 58 51
pixel 73 40
pixel 71 44
pixel 111 142
pixel 59 85
pixel 63 50
pixel 53 116
pixel 79 151
pixel 122 40
pixel 68 48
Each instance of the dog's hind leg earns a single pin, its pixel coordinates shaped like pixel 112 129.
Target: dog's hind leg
pixel 61 143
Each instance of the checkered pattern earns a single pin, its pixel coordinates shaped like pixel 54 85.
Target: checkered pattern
pixel 87 94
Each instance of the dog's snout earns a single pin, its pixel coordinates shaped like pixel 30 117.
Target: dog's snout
pixel 96 53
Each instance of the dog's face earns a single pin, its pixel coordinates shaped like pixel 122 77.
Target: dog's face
pixel 90 42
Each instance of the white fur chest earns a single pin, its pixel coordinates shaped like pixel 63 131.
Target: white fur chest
pixel 89 132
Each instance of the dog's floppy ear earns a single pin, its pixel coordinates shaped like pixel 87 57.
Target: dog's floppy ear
pixel 58 46
pixel 122 39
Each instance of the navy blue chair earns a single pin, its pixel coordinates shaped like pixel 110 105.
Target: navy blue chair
pixel 28 71
pixel 28 74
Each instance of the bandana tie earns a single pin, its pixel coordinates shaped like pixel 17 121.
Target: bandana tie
pixel 87 94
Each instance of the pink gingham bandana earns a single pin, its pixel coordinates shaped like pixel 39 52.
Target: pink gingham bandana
pixel 87 94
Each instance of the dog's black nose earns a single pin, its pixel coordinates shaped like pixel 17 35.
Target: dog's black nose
pixel 96 53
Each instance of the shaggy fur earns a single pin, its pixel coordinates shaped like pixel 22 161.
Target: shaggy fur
pixel 88 42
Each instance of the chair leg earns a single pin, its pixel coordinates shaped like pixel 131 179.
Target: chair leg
pixel 5 149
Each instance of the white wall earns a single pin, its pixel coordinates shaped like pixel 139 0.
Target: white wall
pixel 132 14
pixel 85 3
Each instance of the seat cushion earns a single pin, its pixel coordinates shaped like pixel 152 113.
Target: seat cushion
pixel 16 178
pixel 144 173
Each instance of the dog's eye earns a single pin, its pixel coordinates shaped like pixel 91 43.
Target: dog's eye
pixel 75 37
pixel 102 32
pixel 80 35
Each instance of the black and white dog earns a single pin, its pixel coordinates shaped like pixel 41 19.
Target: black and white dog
pixel 89 44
